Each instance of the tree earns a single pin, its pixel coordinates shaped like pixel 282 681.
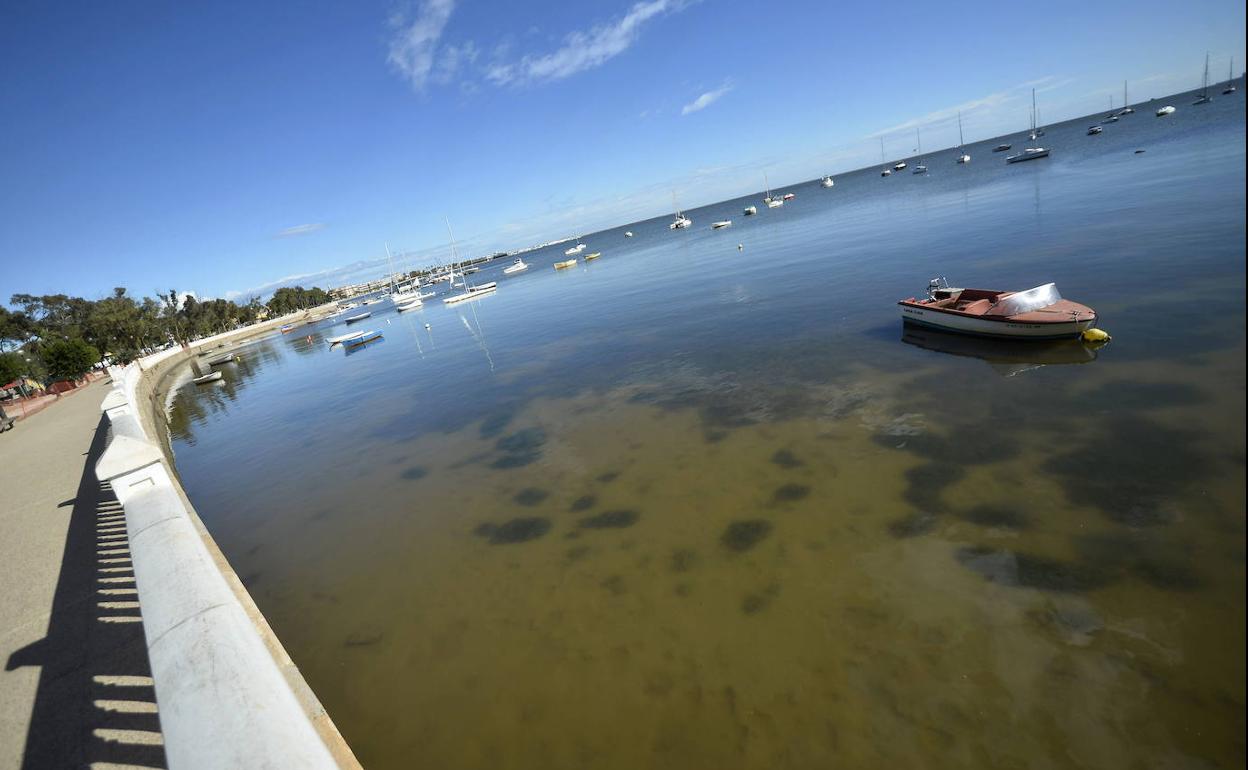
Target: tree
pixel 69 359
pixel 12 366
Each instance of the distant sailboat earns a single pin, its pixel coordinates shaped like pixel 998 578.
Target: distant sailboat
pixel 1230 79
pixel 827 181
pixel 918 142
pixel 1126 103
pixel 963 155
pixel 772 203
pixel 1204 85
pixel 470 291
pixel 1036 133
pixel 681 221
pixel 887 171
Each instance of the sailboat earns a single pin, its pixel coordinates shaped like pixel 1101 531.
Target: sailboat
pixel 1036 133
pixel 1204 85
pixel 772 203
pixel 963 155
pixel 1030 153
pixel 407 295
pixel 470 291
pixel 827 181
pixel 1112 117
pixel 919 169
pixel 887 171
pixel 681 221
pixel 1126 103
pixel 1230 79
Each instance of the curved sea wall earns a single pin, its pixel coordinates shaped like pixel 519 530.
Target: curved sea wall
pixel 227 692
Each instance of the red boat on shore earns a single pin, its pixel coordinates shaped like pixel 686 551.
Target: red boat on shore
pixel 1035 314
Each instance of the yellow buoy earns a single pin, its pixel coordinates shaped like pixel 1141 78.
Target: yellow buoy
pixel 1096 335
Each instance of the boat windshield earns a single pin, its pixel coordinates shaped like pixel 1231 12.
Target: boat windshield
pixel 1026 301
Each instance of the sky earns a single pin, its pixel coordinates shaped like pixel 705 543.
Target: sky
pixel 228 148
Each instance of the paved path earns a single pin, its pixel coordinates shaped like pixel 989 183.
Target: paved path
pixel 75 689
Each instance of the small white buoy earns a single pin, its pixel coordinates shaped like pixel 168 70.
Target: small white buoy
pixel 427 326
pixel 740 247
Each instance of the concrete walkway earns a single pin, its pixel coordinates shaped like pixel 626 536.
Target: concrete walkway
pixel 76 689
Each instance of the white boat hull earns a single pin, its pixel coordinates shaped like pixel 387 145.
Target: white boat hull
pixel 515 269
pixel 468 295
pixel 985 327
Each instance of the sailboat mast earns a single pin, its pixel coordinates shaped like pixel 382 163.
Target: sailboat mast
pixel 960 140
pixel 1125 102
pixel 883 157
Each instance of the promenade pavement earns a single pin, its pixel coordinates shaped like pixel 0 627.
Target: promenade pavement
pixel 75 689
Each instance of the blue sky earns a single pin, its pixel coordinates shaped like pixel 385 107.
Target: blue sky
pixel 225 148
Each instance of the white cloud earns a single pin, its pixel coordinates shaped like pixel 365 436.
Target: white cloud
pixel 416 40
pixel 706 99
pixel 582 49
pixel 291 232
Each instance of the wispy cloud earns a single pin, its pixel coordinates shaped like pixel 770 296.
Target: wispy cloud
pixel 582 49
pixel 415 41
pixel 706 99
pixel 291 232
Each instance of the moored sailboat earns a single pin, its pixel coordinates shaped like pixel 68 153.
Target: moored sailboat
pixel 963 155
pixel 1204 85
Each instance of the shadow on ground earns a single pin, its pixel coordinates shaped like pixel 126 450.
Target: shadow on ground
pixel 95 704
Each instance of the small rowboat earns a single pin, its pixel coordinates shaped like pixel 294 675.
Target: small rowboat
pixel 288 328
pixel 721 224
pixel 363 339
pixel 343 338
pixel 1164 111
pixel 751 211
pixel 1001 147
pixel 359 317
pixel 595 255
pixel 1035 314
pixel 788 196
pixel 565 264
pixel 225 359
pixel 207 378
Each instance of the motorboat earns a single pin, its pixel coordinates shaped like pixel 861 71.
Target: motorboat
pixel 964 158
pixel 827 181
pixel 343 338
pixel 577 249
pixel 899 165
pixel 919 169
pixel 518 266
pixel 412 305
pixel 1110 119
pixel 565 264
pixel 355 318
pixel 593 256
pixel 750 211
pixel 886 172
pixel 207 378
pixel 1094 130
pixel 788 196
pixel 1002 147
pixel 1035 314
pixel 362 340
pixel 1164 111
pixel 1030 153
pixel 721 224
pixel 472 292
pixel 628 233
pixel 680 222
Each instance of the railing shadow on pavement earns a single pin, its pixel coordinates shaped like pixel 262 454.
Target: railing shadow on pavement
pixel 95 702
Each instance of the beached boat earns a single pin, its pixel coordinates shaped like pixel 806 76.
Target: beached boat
pixel 721 224
pixel 565 264
pixel 1029 153
pixel 963 155
pixel 1036 314
pixel 362 340
pixel 343 338
pixel 827 181
pixel 207 378
pixel 1164 111
pixel 592 256
pixel 1230 80
pixel 355 318
pixel 750 211
pixel 1094 130
pixel 1203 99
pixel 516 267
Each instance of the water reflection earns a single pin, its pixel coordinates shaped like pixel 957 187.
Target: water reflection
pixel 1006 357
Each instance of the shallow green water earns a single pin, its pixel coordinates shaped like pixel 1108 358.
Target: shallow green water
pixel 695 506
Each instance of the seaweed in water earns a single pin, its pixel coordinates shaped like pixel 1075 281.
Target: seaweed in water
pixel 514 530
pixel 608 477
pixel 414 473
pixel 753 604
pixel 786 459
pixel 583 503
pixel 610 520
pixel 530 496
pixel 925 483
pixel 518 460
pixel 526 440
pixel 684 559
pixel 741 536
pixel 912 525
pixel 788 493
pixel 1030 571
pixel 614 584
pixel 996 516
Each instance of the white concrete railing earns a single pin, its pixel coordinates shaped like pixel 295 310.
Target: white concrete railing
pixel 223 701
